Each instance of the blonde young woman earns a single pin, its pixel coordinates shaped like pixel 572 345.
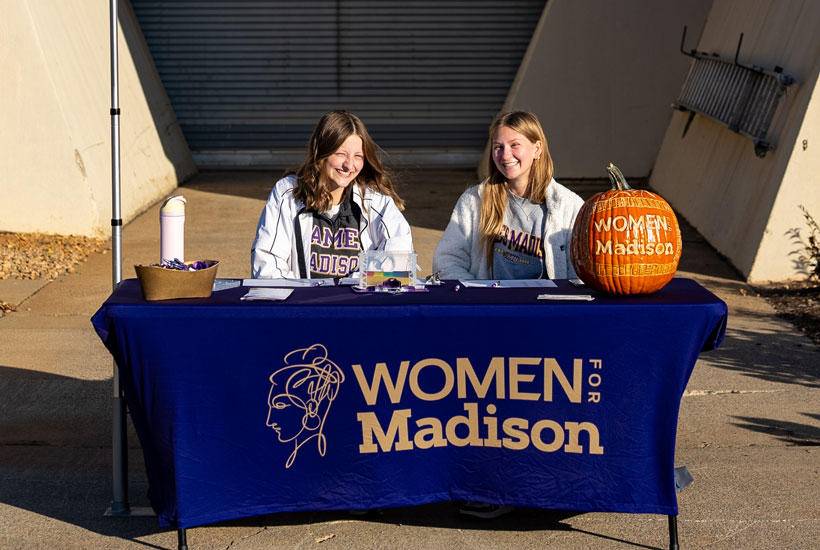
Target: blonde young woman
pixel 338 203
pixel 517 223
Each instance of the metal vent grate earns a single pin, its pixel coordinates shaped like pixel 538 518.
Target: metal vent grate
pixel 743 98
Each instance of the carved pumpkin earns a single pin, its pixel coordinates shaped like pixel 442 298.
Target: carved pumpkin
pixel 625 241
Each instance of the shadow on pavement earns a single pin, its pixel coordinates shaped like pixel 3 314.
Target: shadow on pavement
pixel 788 357
pixel 792 433
pixel 55 452
pixel 445 515
pixel 441 515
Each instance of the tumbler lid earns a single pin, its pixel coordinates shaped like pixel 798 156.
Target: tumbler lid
pixel 174 205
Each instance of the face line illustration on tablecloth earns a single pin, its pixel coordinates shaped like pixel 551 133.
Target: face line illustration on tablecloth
pixel 300 397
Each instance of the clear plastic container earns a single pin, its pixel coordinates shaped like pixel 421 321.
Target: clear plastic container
pixel 395 268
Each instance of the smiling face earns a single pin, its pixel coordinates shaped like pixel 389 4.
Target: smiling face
pixel 343 165
pixel 513 155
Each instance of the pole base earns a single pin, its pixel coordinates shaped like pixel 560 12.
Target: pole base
pixel 129 512
pixel 673 533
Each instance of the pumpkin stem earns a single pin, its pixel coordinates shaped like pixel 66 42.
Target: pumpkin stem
pixel 617 178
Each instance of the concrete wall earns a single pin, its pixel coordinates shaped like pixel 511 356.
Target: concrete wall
pixel 601 76
pixel 745 205
pixel 55 168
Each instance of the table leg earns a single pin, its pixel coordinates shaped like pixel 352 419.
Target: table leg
pixel 673 533
pixel 182 536
pixel 119 449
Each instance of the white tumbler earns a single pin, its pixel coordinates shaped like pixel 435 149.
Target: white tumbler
pixel 172 229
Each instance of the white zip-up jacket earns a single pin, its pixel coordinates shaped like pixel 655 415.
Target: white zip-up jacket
pixel 274 254
pixel 460 252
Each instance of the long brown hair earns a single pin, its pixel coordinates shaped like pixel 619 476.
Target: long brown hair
pixel 330 133
pixel 494 197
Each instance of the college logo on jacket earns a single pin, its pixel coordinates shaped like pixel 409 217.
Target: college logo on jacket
pixel 335 243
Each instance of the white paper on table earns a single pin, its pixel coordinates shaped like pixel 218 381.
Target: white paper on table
pixel 509 283
pixel 225 284
pixel 275 294
pixel 286 283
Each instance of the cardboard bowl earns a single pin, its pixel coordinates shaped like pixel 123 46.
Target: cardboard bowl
pixel 160 283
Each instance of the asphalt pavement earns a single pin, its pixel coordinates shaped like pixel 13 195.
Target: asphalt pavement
pixel 749 426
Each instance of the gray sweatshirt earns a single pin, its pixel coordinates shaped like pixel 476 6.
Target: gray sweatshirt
pixel 460 254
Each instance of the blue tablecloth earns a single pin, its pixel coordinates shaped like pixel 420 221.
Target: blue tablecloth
pixel 338 400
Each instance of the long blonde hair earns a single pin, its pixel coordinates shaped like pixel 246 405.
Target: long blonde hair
pixel 330 133
pixel 494 197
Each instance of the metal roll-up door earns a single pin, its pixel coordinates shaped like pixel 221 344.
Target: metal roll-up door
pixel 258 74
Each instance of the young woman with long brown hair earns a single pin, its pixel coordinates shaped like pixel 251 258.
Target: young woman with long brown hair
pixel 339 202
pixel 517 223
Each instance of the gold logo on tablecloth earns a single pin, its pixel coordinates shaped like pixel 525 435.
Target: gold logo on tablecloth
pixel 300 397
